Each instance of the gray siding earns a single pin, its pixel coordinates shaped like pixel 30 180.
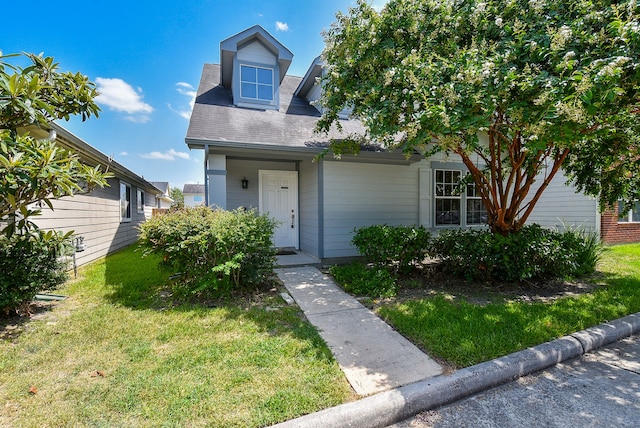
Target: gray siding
pixel 309 206
pixel 237 170
pixel 560 205
pixel 96 217
pixel 359 194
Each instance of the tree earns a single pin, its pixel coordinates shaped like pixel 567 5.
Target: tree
pixel 31 169
pixel 178 197
pixel 516 88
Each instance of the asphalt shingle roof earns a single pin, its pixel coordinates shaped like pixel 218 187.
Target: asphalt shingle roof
pixel 216 120
pixel 193 189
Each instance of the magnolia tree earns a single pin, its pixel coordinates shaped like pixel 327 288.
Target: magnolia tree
pixel 31 169
pixel 517 89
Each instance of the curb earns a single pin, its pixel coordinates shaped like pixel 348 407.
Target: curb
pixel 387 408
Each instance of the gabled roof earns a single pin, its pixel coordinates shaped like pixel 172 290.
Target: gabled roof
pixel 193 189
pixel 309 79
pixel 215 120
pixel 230 46
pixel 163 186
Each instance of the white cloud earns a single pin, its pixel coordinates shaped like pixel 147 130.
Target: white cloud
pixel 189 91
pixel 282 26
pixel 141 118
pixel 124 154
pixel 169 155
pixel 118 95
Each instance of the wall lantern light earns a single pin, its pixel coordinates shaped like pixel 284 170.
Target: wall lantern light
pixel 245 183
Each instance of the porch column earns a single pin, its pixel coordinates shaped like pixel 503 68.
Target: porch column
pixel 216 176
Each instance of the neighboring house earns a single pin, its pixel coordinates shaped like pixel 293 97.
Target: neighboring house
pixel 193 195
pixel 106 219
pixel 620 227
pixel 256 126
pixel 163 200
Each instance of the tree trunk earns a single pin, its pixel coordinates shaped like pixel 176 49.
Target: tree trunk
pixel 510 171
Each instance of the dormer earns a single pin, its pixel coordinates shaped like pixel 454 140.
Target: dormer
pixel 253 65
pixel 310 88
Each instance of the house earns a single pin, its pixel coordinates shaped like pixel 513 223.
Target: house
pixel 256 124
pixel 193 195
pixel 106 219
pixel 621 227
pixel 163 200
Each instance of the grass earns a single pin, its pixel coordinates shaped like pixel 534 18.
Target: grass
pixel 463 333
pixel 117 352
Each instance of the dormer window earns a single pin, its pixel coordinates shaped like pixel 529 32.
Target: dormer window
pixel 256 83
pixel 253 64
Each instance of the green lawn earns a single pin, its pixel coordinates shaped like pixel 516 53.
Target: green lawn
pixel 464 333
pixel 118 353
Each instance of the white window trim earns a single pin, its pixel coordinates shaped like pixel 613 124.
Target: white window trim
pixel 462 197
pixel 140 200
pixel 257 84
pixel 123 218
pixel 453 196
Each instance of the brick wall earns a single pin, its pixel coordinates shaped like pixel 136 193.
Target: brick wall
pixel 618 233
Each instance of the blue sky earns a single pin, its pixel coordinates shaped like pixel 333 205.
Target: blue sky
pixel 146 58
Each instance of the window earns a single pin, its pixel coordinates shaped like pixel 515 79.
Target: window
pixel 447 197
pixel 256 83
pixel 456 205
pixel 476 212
pixel 197 198
pixel 631 216
pixel 140 200
pixel 125 201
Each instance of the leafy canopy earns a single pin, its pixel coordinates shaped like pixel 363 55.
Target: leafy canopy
pixel 37 170
pixel 177 196
pixel 518 87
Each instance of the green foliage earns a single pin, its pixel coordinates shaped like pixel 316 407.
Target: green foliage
pixel 29 265
pixel 586 249
pixel 464 333
pixel 37 170
pixel 178 198
pixel 213 251
pixel 532 253
pixel 512 86
pixel 163 361
pixel 33 170
pixel 358 279
pixel 397 246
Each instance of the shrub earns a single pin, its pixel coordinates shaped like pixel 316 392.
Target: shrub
pixel 398 246
pixel 532 253
pixel 586 248
pixel 214 251
pixel 30 264
pixel 358 279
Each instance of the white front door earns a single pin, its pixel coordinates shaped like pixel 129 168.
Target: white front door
pixel 279 198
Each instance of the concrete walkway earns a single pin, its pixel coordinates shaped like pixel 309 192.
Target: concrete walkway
pixel 373 356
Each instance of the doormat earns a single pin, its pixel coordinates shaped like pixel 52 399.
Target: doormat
pixel 285 253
